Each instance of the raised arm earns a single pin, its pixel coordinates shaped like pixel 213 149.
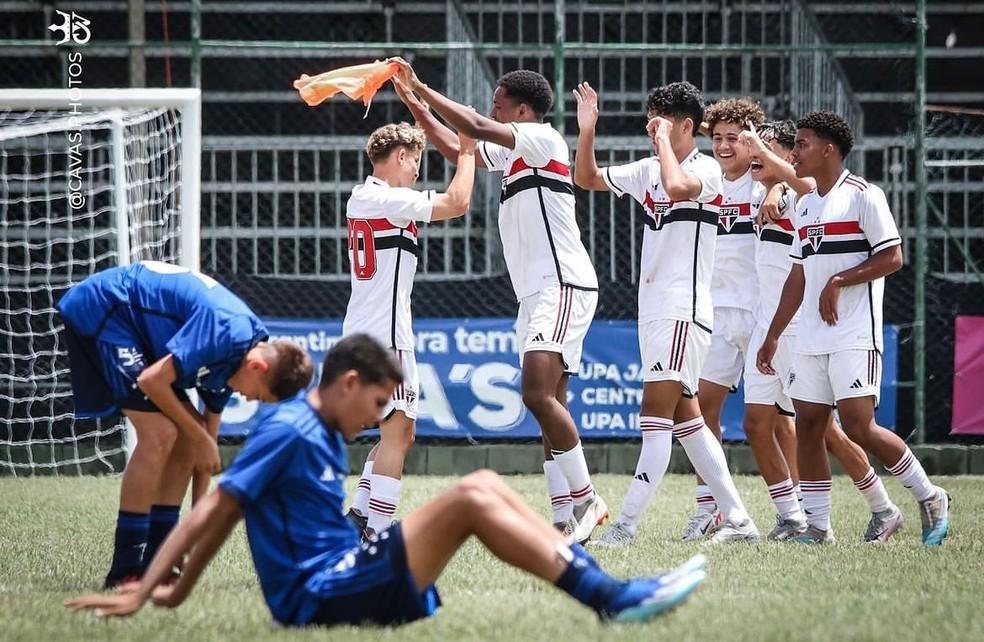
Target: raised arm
pixel 679 185
pixel 200 535
pixel 442 136
pixel 587 174
pixel 769 158
pixel 454 202
pixel 462 118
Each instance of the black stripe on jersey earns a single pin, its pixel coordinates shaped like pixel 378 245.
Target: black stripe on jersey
pixel 400 242
pixel 485 153
pixel 682 215
pixel 546 221
pixel 837 247
pixel 693 282
pixel 742 227
pixel 775 236
pixel 871 313
pixel 611 183
pixel 534 181
pixel 878 245
pixel 396 289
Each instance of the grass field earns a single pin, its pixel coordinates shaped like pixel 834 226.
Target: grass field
pixel 55 542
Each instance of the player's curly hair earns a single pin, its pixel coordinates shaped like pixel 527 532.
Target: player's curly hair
pixel 388 137
pixel 737 111
pixel 831 127
pixel 781 131
pixel 677 99
pixel 290 370
pixel 529 87
pixel 368 357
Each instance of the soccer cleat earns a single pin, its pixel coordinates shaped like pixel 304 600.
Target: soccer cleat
pixel 786 528
pixel 589 516
pixel 731 531
pixel 883 525
pixel 566 528
pixel 701 525
pixel 618 535
pixel 935 516
pixel 643 599
pixel 813 535
pixel 359 521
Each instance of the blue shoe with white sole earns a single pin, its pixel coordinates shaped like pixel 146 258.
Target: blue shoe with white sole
pixel 935 516
pixel 645 598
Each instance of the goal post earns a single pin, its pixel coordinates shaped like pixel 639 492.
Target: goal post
pixel 89 179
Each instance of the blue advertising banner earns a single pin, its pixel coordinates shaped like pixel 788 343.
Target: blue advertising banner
pixel 470 380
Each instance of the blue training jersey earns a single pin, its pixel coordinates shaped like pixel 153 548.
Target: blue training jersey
pixel 289 480
pixel 169 309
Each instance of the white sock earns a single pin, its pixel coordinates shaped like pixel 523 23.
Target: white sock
pixel 707 456
pixel 816 503
pixel 784 497
pixel 654 459
pixel 799 493
pixel 910 472
pixel 705 499
pixel 360 502
pixel 874 492
pixel 559 491
pixel 384 497
pixel 575 469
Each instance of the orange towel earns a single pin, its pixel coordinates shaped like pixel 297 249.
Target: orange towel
pixel 357 81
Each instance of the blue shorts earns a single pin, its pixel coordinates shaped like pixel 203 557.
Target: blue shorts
pixel 104 375
pixel 371 584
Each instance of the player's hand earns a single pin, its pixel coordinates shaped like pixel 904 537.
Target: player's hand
pixel 659 127
pixel 406 73
pixel 771 209
pixel 763 360
pixel 587 106
pixel 166 597
pixel 750 139
pixel 118 605
pixel 410 99
pixel 828 300
pixel 207 456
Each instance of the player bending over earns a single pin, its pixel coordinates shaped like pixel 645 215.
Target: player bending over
pixel 383 213
pixel 768 409
pixel 550 270
pixel 680 189
pixel 845 243
pixel 288 483
pixel 138 336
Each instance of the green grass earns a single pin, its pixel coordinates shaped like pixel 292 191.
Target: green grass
pixel 55 542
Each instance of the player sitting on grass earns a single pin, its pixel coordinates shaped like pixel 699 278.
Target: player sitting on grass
pixel 768 409
pixel 288 482
pixel 383 213
pixel 137 337
pixel 845 243
pixel 551 272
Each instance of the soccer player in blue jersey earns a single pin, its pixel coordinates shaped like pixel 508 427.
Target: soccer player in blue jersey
pixel 138 336
pixel 288 484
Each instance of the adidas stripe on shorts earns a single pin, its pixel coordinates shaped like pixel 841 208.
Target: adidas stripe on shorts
pixel 406 395
pixel 556 319
pixel 828 378
pixel 673 350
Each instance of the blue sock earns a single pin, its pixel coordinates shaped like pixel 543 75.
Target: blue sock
pixel 587 583
pixel 162 521
pixel 131 538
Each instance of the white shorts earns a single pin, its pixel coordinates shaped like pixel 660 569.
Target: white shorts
pixel 828 378
pixel 733 329
pixel 406 394
pixel 673 350
pixel 769 390
pixel 556 319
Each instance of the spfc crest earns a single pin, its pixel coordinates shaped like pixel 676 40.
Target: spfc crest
pixel 814 236
pixel 729 216
pixel 657 210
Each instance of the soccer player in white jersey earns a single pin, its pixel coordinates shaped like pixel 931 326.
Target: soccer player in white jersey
pixel 768 409
pixel 680 189
pixel 845 244
pixel 550 270
pixel 734 295
pixel 383 213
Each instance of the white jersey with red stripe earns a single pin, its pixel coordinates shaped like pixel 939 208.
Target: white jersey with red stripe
pixel 679 239
pixel 382 245
pixel 836 232
pixel 732 282
pixel 541 240
pixel 772 263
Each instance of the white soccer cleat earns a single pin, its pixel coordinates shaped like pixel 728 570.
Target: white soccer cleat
pixel 786 529
pixel 701 525
pixel 618 535
pixel 588 516
pixel 731 531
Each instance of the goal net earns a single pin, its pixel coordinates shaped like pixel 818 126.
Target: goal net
pixel 88 180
